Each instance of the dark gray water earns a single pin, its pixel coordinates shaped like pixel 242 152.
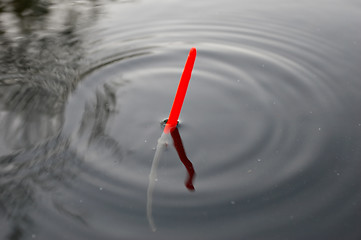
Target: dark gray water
pixel 271 120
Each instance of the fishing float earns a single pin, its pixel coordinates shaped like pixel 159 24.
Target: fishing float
pixel 171 125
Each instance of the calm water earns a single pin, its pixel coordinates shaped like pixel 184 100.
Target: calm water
pixel 271 124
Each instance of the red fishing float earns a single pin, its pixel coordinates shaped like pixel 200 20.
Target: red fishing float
pixel 181 92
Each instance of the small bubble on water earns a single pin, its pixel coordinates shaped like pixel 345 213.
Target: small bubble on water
pixel 80 200
pixel 258 160
pixel 249 171
pixel 238 80
pixel 156 180
pixel 101 189
pixel 233 202
pixel 145 140
pixel 319 129
pixel 33 236
pixel 153 149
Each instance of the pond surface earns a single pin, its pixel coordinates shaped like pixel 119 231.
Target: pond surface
pixel 271 123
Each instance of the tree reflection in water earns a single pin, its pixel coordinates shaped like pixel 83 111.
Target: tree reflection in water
pixel 39 68
pixel 40 64
pixel 31 171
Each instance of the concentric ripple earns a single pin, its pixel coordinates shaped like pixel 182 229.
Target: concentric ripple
pixel 256 124
pixel 275 151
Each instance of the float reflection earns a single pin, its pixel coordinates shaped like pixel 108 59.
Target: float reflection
pixel 178 144
pixel 161 146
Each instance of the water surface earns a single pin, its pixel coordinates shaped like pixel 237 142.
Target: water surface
pixel 271 122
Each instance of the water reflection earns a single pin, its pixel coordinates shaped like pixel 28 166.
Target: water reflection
pixel 30 15
pixel 178 144
pixel 31 176
pixel 161 146
pixel 41 59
